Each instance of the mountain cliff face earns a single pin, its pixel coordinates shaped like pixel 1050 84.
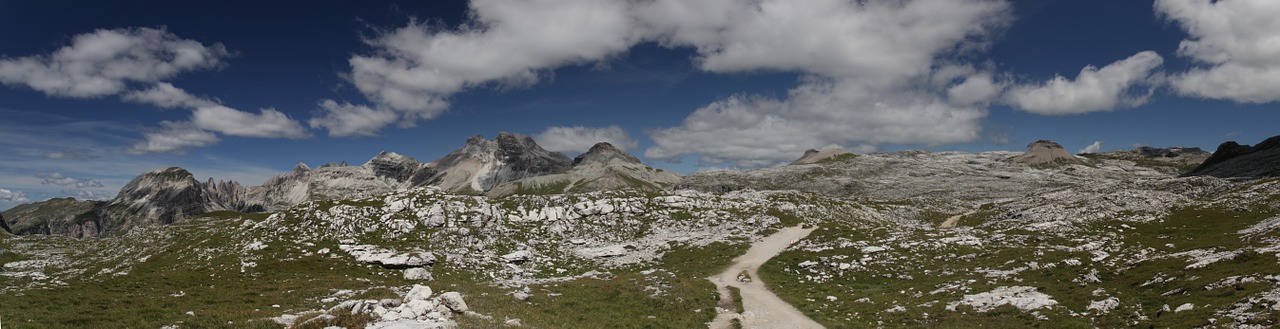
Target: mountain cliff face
pixel 481 165
pixel 602 168
pixel 159 197
pixel 59 216
pixel 1233 160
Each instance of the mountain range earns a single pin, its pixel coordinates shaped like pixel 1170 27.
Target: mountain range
pixel 515 164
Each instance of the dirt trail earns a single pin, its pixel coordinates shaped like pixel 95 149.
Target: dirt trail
pixel 762 309
pixel 951 221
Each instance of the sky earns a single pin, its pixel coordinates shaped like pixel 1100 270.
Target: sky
pixel 93 93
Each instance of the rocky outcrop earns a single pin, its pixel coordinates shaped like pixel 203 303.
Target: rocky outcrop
pixel 481 165
pixel 1233 160
pixel 1043 152
pixel 814 156
pixel 58 216
pixel 603 168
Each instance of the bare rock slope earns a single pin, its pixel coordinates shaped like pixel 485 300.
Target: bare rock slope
pixel 603 168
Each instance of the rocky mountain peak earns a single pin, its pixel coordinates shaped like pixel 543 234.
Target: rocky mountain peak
pixel 400 168
pixel 161 196
pixel 1045 144
pixel 301 168
pixel 1045 152
pixel 603 152
pixel 814 156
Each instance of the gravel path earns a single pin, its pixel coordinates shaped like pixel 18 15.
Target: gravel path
pixel 763 309
pixel 951 221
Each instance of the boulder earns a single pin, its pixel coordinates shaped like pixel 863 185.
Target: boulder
pixel 453 300
pixel 418 292
pixel 417 273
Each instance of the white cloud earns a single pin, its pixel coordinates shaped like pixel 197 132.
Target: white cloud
pixel 1092 90
pixel 167 96
pixel 579 139
pixel 854 56
pixel 90 195
pixel 1092 148
pixel 9 196
pixel 1237 41
pixel 347 120
pixel 173 137
pixel 758 131
pixel 416 68
pixel 102 62
pixel 59 179
pixel 864 86
pixel 267 124
pixel 977 89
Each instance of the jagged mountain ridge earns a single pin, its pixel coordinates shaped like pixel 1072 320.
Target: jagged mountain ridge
pixel 170 194
pixel 481 165
pixel 602 168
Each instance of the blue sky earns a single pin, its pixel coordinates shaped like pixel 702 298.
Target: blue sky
pixel 93 93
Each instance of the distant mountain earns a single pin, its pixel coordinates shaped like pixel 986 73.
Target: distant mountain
pixel 59 216
pixel 1233 160
pixel 166 195
pixel 814 156
pixel 602 168
pixel 481 165
pixel 1044 152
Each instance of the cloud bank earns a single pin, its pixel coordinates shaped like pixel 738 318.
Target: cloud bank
pixel 861 85
pixel 579 139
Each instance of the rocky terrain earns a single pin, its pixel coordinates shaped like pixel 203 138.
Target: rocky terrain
pixel 905 239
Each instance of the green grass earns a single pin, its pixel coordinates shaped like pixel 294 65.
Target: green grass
pixel 928 269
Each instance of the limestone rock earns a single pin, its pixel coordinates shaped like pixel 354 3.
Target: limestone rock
pixel 453 300
pixel 417 273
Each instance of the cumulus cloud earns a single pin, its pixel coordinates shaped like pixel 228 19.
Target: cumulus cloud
pixel 579 139
pixel 862 87
pixel 348 120
pixel 416 68
pixel 173 137
pixel 867 65
pixel 267 124
pixel 757 131
pixel 59 179
pixel 165 95
pixel 1235 41
pixel 103 62
pixel 90 195
pixel 9 196
pixel 1117 85
pixel 1092 148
